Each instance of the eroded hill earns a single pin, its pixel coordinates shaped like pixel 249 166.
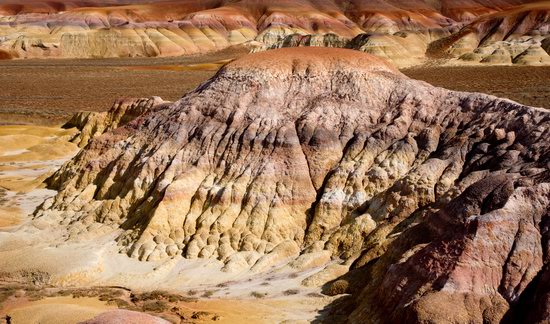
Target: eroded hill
pixel 432 204
pixel 488 31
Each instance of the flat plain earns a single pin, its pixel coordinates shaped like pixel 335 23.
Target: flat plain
pixel 49 92
pixel 93 84
pixel 529 85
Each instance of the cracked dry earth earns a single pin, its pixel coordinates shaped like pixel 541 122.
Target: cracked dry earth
pixel 431 204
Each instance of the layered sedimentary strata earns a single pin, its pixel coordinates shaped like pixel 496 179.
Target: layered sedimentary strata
pixel 517 35
pixel 482 257
pixel 406 33
pixel 437 199
pixel 501 36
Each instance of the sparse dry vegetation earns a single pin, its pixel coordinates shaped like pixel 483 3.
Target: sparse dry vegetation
pixel 208 293
pixel 156 306
pixel 338 287
pixel 291 292
pixel 157 301
pixel 5 293
pixel 201 315
pixel 258 295
pixel 120 303
pixel 62 97
pixel 525 84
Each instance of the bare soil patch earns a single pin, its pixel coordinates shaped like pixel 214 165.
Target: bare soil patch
pixel 48 92
pixel 529 85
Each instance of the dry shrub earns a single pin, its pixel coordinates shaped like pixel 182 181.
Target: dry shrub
pixel 157 306
pixel 208 293
pixel 338 287
pixel 120 303
pixel 291 292
pixel 201 315
pixel 6 292
pixel 258 295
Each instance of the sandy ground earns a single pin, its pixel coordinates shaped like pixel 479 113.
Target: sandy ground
pixel 259 311
pixel 269 297
pixel 70 309
pixel 56 310
pixel 28 154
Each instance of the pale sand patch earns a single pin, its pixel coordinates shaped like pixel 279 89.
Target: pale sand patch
pixel 48 149
pixel 10 216
pixel 239 311
pixel 15 152
pixel 57 310
pixel 28 155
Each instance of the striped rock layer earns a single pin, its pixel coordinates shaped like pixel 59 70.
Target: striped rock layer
pixel 434 197
pixel 407 33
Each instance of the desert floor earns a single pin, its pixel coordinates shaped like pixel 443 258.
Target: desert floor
pixel 48 92
pixel 529 85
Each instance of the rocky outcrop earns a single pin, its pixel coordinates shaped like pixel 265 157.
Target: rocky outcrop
pixel 4 55
pixel 546 44
pixel 404 49
pixel 533 55
pixel 485 252
pixel 300 40
pixel 439 199
pixel 123 111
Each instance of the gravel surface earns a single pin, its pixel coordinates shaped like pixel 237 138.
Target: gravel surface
pixel 529 85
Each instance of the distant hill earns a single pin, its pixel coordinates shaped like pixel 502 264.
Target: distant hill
pixel 404 32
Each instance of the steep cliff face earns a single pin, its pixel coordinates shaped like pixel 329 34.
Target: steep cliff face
pixel 439 199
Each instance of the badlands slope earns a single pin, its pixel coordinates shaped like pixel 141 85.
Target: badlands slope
pixel 405 33
pixel 322 168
